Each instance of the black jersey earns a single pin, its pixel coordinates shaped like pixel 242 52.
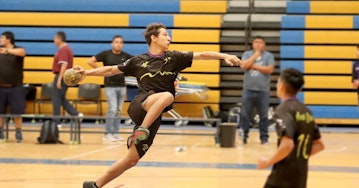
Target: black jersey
pixel 11 71
pixel 295 120
pixel 157 73
pixel 108 58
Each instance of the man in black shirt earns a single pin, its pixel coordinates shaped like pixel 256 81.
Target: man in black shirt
pixel 115 86
pixel 12 92
pixel 298 136
pixel 155 72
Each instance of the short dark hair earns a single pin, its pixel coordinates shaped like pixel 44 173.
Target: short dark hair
pixel 116 36
pixel 152 29
pixel 9 35
pixel 258 37
pixel 61 35
pixel 293 80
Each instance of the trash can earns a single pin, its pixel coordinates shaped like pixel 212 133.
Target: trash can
pixel 227 135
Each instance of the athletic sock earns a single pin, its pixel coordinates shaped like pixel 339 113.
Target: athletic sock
pixel 144 127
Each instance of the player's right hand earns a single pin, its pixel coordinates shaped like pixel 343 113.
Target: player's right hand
pixel 232 60
pixel 79 69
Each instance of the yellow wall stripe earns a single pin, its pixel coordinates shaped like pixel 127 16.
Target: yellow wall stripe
pixel 331 98
pixel 325 82
pixel 186 35
pixel 197 20
pixel 204 6
pixel 329 22
pixel 330 52
pixel 331 37
pixel 335 7
pixel 204 66
pixel 325 67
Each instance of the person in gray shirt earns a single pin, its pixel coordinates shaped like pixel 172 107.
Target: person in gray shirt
pixel 257 64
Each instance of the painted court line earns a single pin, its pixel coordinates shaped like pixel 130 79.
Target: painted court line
pixel 90 152
pixel 232 166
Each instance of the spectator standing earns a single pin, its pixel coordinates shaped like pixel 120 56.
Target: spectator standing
pixel 115 86
pixel 63 60
pixel 258 64
pixel 12 92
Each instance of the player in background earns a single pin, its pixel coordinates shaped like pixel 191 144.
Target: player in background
pixel 298 136
pixel 115 86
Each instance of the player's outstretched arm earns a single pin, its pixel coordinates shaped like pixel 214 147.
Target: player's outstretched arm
pixel 229 59
pixel 285 147
pixel 101 71
pixel 317 146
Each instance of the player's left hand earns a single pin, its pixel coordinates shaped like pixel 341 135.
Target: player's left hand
pixel 58 84
pixel 232 60
pixel 263 163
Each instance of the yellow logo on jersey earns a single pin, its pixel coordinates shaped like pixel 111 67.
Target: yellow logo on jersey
pixel 164 73
pixel 167 59
pixel 304 117
pixel 144 64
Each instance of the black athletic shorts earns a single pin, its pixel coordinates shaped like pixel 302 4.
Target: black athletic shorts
pixel 270 186
pixel 14 97
pixel 137 114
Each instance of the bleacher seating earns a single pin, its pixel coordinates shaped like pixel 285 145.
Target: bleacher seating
pixel 319 38
pixel 323 7
pixel 194 25
pixel 265 20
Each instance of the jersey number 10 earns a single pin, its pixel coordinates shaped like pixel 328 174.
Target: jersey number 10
pixel 303 140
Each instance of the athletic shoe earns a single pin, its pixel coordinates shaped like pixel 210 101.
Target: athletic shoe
pixel 18 136
pixel 141 133
pixel 244 141
pixel 118 137
pixel 109 138
pixel 89 184
pixel 80 115
pixel 264 142
pixel 240 132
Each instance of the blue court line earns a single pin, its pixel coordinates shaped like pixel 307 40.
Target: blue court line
pixel 232 166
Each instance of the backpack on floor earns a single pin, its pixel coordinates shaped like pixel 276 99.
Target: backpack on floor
pixel 49 133
pixel 207 114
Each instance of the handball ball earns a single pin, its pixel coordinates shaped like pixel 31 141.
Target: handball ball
pixel 71 78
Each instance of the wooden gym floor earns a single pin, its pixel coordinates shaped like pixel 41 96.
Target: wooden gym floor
pixel 200 165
